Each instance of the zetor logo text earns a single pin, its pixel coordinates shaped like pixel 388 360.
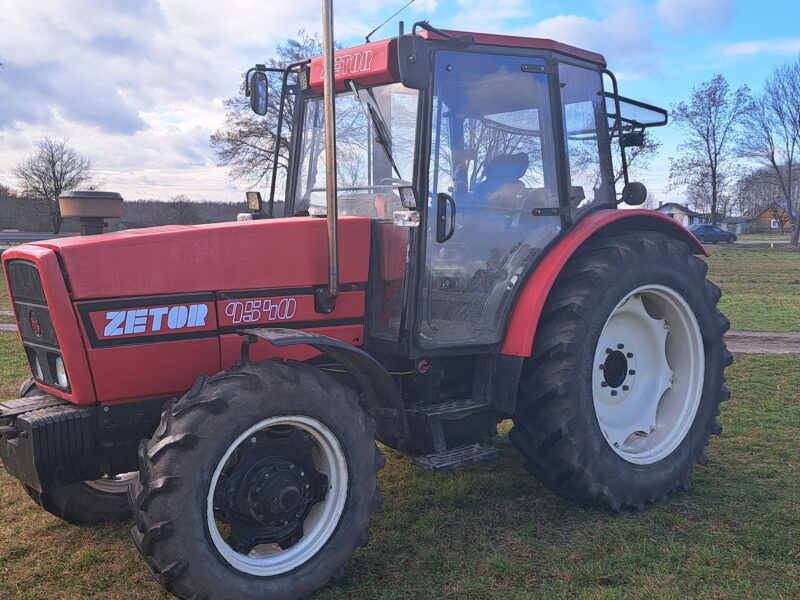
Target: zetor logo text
pixel 155 320
pixel 350 64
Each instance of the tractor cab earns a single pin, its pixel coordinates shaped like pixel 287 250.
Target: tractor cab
pixel 471 153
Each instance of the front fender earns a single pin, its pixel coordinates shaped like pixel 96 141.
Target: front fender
pixel 524 319
pixel 380 394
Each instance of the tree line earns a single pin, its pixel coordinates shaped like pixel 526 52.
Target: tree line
pixel 739 151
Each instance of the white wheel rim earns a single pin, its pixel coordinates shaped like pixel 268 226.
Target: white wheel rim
pixel 116 484
pixel 648 372
pixel 320 523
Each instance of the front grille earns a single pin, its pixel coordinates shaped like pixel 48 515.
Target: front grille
pixel 35 323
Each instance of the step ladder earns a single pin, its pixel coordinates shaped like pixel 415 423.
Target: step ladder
pixel 444 458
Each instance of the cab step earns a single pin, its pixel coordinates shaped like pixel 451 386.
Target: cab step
pixel 454 458
pixel 455 409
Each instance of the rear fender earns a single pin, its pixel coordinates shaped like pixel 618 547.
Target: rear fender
pixel 530 302
pixel 381 397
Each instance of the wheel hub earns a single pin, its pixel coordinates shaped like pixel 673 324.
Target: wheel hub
pixel 266 496
pixel 615 368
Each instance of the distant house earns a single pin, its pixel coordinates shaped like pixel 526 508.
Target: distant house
pixel 772 218
pixel 736 225
pixel 682 214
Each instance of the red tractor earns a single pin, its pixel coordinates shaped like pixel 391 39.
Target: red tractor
pixel 465 262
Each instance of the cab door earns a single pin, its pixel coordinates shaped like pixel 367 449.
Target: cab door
pixel 493 202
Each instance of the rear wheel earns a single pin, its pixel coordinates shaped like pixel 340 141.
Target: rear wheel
pixel 623 388
pixel 259 482
pixel 85 502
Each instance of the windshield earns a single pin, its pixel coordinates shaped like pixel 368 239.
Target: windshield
pixel 366 180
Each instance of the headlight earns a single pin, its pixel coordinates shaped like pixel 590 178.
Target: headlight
pixel 61 373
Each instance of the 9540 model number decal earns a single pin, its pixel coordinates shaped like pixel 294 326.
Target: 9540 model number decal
pixel 260 310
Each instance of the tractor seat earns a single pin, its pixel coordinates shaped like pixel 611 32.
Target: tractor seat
pixel 501 186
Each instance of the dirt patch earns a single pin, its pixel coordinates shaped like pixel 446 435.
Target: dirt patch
pixel 763 342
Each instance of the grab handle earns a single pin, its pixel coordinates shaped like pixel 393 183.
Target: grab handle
pixel 442 232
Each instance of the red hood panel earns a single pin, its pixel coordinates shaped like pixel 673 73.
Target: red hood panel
pixel 175 259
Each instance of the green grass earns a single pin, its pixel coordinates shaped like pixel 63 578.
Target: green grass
pixel 5 303
pixel 492 531
pixel 760 286
pixel 765 236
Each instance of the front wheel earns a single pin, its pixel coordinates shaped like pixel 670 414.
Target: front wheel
pixel 259 482
pixel 621 394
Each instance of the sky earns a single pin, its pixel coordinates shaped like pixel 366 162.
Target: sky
pixel 138 85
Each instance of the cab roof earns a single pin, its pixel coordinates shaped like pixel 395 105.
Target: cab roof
pixel 376 62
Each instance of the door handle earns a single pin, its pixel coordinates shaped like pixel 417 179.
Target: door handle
pixel 443 233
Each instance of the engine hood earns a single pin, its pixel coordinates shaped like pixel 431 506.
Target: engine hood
pixel 175 259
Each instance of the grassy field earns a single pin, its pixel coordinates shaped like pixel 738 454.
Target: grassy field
pixel 761 286
pixel 765 236
pixel 493 532
pixel 4 301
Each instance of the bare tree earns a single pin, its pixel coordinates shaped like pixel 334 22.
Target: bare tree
pixel 771 135
pixel 184 209
pixel 639 158
pixel 246 142
pixel 709 120
pixel 52 169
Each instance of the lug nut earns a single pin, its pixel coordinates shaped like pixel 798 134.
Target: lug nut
pixel 609 350
pixel 252 440
pixel 620 346
pixel 629 355
pixel 601 367
pixel 632 372
pixel 625 388
pixel 614 392
pixel 603 384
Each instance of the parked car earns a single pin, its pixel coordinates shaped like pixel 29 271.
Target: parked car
pixel 712 233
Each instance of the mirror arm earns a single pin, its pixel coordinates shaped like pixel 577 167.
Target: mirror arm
pixel 618 110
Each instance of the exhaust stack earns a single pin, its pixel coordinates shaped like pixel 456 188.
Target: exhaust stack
pixel 329 91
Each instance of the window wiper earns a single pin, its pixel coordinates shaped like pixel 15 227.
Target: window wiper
pixel 380 131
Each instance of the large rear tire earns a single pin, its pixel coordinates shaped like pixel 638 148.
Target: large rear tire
pixel 258 483
pixel 85 502
pixel 622 392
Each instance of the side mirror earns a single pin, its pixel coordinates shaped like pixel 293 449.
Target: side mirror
pixel 257 91
pixel 413 62
pixel 634 139
pixel 634 194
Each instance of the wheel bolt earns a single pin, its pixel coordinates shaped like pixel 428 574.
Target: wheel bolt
pixel 614 392
pixel 620 346
pixel 629 355
pixel 632 372
pixel 625 388
pixel 603 384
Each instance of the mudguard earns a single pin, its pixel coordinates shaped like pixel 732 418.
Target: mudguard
pixel 381 396
pixel 524 319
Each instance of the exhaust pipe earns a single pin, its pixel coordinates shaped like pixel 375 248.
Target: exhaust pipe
pixel 329 91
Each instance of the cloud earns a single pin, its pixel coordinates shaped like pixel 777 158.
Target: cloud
pixel 776 46
pixel 488 17
pixel 685 14
pixel 138 85
pixel 623 36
